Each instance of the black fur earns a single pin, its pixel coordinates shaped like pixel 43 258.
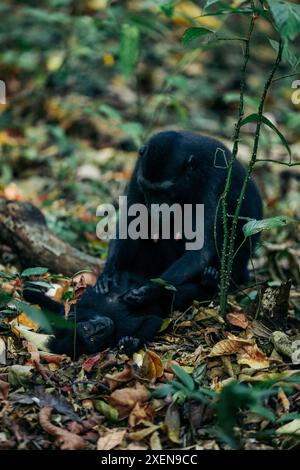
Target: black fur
pixel 194 167
pixel 126 307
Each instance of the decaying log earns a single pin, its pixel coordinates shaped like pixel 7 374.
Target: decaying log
pixel 23 227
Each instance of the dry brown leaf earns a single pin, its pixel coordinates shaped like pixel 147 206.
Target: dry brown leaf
pixel 111 439
pixel 90 362
pixel 140 413
pixel 124 400
pixel 228 346
pixel 152 367
pixel 253 357
pixel 33 351
pixel 238 319
pixel 284 400
pixel 65 439
pixel 52 358
pixel 113 381
pixel 4 389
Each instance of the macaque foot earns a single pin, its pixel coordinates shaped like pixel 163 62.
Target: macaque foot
pixel 129 345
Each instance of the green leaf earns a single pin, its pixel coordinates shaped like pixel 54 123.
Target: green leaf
pixel 164 283
pixel 34 272
pixel 184 377
pixel 193 33
pixel 208 3
pixel 110 413
pixel 264 412
pixel 163 391
pixel 256 226
pixel 5 275
pixel 129 51
pixel 287 18
pixel 255 117
pixel 287 53
pixel 38 284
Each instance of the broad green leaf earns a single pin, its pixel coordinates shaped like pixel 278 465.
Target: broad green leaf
pixel 34 272
pixel 38 284
pixel 163 391
pixel 129 51
pixel 287 18
pixel 264 412
pixel 256 226
pixel 255 117
pixel 193 33
pixel 184 377
pixel 287 53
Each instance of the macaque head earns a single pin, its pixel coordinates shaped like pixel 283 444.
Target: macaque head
pixel 95 335
pixel 166 169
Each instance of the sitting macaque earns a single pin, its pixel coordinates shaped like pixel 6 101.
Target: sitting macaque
pixel 125 306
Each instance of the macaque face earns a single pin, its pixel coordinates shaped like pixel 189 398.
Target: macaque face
pixel 95 334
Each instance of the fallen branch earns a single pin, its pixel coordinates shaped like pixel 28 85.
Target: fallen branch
pixel 23 227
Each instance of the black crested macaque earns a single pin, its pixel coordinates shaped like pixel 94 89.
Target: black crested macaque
pixel 126 307
pixel 183 168
pixel 106 320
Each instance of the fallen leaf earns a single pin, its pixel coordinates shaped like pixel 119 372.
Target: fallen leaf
pixel 140 435
pixel 33 351
pixel 292 428
pixel 284 400
pixel 152 367
pixel 90 362
pixel 238 319
pixel 111 440
pixel 228 346
pixel 155 443
pixel 124 400
pixel 19 375
pixel 113 381
pixel 172 423
pixel 110 413
pixel 4 389
pixel 140 413
pixel 253 357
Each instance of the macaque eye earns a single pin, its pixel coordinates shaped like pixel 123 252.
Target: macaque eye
pixel 143 150
pixel 190 162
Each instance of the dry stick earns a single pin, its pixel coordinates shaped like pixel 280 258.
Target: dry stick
pixel 224 280
pixel 249 171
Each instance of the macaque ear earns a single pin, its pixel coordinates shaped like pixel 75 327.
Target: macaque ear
pixel 191 162
pixel 143 149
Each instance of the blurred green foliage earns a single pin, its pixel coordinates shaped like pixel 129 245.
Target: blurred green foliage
pixel 88 80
